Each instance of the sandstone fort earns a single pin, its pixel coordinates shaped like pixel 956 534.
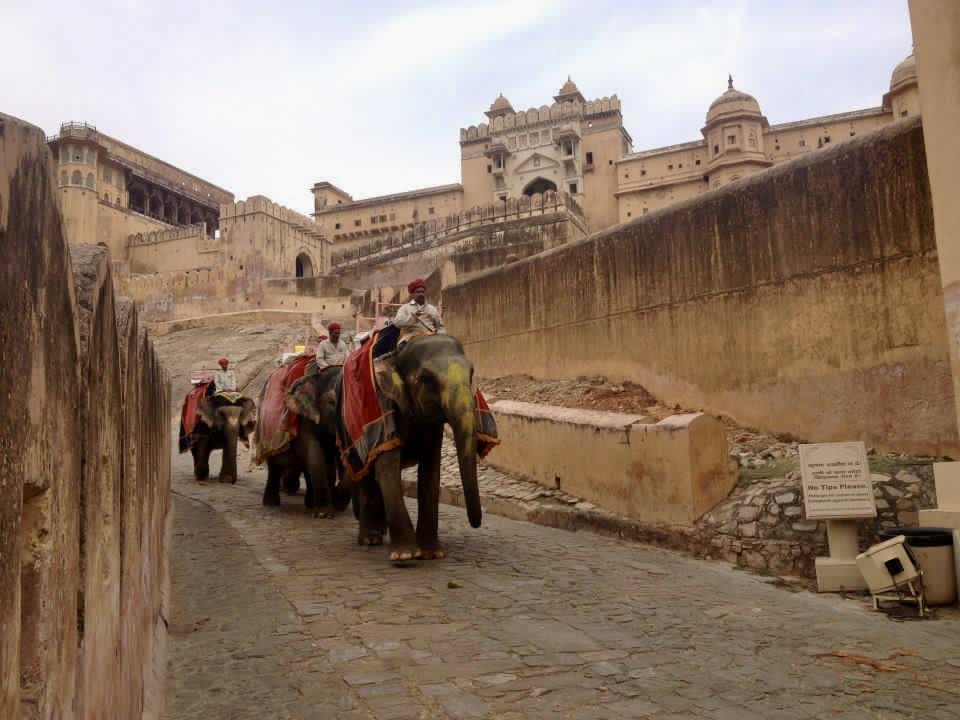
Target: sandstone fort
pixel 576 484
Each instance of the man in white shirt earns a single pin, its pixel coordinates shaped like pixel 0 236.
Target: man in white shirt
pixel 224 379
pixel 332 351
pixel 418 314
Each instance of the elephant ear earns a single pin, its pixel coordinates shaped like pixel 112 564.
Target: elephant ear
pixel 391 384
pixel 248 416
pixel 304 398
pixel 207 413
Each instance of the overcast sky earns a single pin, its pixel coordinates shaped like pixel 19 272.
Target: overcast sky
pixel 268 98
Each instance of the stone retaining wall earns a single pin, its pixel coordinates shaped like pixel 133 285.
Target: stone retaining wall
pixel 670 471
pixel 84 466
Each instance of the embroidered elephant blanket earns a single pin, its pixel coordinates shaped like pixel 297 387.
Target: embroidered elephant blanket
pixel 367 427
pixel 189 416
pixel 276 423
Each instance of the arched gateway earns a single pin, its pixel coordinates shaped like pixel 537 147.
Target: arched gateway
pixel 304 265
pixel 539 185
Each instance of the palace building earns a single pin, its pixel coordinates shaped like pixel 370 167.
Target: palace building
pixel 580 147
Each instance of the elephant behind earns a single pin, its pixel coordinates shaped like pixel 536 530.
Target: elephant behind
pixel 301 438
pixel 221 420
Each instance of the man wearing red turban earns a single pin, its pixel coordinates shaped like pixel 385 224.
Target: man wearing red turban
pixel 332 351
pixel 418 314
pixel 225 378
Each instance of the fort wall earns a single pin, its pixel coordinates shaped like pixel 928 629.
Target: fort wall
pixel 84 472
pixel 805 300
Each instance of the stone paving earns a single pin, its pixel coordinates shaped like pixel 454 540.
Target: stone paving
pixel 277 614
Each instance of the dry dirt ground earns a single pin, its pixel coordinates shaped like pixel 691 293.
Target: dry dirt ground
pixel 252 350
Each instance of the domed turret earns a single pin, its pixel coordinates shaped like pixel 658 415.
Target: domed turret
pixel 733 102
pixel 500 106
pixel 904 74
pixel 569 91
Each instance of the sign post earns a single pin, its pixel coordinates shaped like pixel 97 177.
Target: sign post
pixel 837 488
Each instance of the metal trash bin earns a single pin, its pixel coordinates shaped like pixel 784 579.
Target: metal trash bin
pixel 933 548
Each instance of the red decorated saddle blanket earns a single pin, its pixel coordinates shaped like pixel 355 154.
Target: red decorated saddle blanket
pixel 276 423
pixel 189 414
pixel 367 425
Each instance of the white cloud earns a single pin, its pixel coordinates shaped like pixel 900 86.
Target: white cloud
pixel 423 37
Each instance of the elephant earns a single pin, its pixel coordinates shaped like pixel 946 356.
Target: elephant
pixel 312 449
pixel 427 383
pixel 223 420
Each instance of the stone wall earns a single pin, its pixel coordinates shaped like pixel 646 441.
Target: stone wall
pixel 84 482
pixel 803 300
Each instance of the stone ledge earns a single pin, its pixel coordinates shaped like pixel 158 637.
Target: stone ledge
pixel 671 471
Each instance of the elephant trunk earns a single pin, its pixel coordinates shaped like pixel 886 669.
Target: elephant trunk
pixel 231 432
pixel 465 437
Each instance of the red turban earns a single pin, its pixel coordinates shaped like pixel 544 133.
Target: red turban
pixel 416 285
pixel 333 326
pixel 223 362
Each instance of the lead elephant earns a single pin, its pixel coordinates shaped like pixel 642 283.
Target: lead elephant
pixel 426 384
pixel 308 444
pixel 223 420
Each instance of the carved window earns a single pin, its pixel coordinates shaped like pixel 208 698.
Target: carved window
pixel 76 178
pixel 589 158
pixel 63 177
pixel 77 154
pixel 337 226
pixel 107 175
pixel 731 139
pixel 356 223
pixel 90 180
pixel 573 188
pixel 430 211
pixel 716 149
pixel 64 154
pixel 90 157
pixel 803 143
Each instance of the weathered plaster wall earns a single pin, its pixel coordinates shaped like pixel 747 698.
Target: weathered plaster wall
pixel 75 586
pixel 804 300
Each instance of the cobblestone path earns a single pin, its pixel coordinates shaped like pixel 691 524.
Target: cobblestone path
pixel 279 615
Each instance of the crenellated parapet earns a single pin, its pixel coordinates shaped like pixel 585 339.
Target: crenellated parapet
pixel 543 115
pixel 185 232
pixel 262 205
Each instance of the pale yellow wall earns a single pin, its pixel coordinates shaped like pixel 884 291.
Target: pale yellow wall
pixel 260 235
pixel 477 181
pixel 641 201
pixel 174 249
pixel 936 34
pixel 790 140
pixel 606 143
pixel 393 214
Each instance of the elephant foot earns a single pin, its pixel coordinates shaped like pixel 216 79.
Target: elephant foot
pixel 402 553
pixel 271 500
pixel 201 478
pixel 372 537
pixel 228 479
pixel 431 551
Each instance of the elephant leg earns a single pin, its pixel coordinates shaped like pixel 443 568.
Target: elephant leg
pixel 403 541
pixel 318 482
pixel 428 495
pixel 201 459
pixel 310 493
pixel 291 482
pixel 369 510
pixel 271 493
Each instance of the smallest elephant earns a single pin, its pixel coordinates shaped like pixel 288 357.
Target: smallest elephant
pixel 221 421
